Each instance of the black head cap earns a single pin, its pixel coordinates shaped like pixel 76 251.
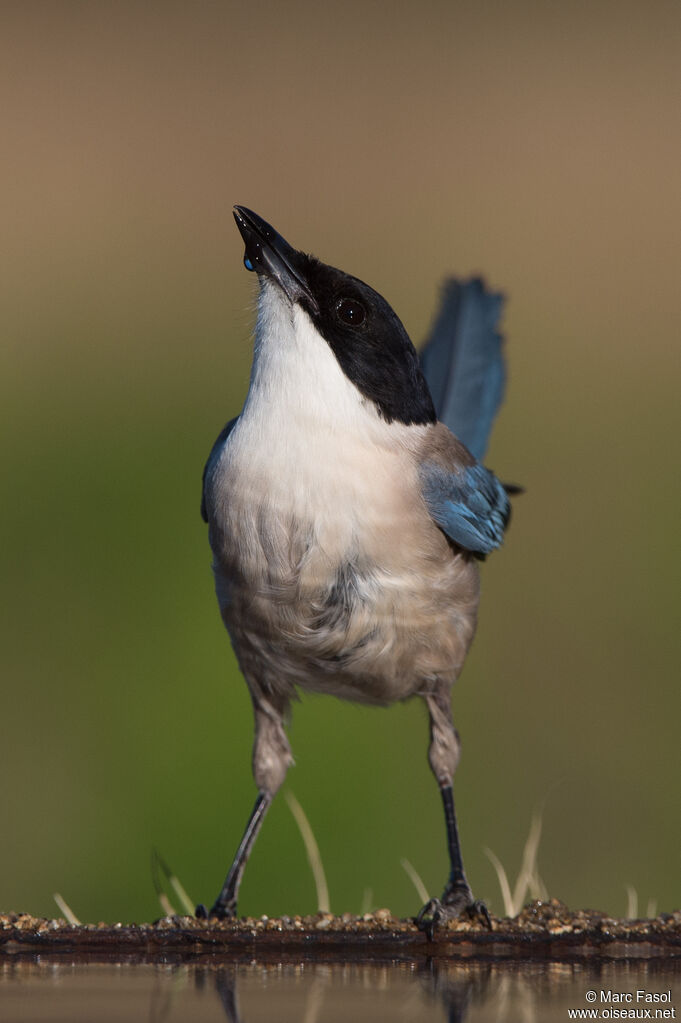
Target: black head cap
pixel 366 336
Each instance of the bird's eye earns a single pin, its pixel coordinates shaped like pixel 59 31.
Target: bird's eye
pixel 350 311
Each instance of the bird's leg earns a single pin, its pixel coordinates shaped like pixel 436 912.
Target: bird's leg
pixel 271 759
pixel 224 906
pixel 457 896
pixel 443 755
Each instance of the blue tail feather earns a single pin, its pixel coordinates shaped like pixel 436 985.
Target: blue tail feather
pixel 463 362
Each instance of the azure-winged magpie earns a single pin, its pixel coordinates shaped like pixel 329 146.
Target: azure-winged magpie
pixel 348 511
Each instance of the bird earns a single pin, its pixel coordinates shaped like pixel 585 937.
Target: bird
pixel 348 511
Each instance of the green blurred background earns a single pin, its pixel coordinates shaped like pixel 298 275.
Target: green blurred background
pixel 538 143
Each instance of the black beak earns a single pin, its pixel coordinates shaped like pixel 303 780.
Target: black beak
pixel 270 255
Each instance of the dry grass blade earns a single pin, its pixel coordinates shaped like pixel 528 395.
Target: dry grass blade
pixel 158 867
pixel 416 880
pixel 367 901
pixel 528 878
pixel 503 882
pixel 64 908
pixel 179 889
pixel 632 902
pixel 312 850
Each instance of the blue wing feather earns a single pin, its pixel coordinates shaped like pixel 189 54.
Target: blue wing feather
pixel 470 506
pixel 463 362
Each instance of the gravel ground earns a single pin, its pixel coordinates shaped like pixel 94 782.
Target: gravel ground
pixel 544 929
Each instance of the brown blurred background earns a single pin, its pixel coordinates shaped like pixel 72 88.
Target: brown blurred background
pixel 537 143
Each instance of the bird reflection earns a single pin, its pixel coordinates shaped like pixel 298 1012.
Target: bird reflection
pixel 438 989
pixel 428 987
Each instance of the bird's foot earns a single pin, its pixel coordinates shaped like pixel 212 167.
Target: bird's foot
pixel 217 912
pixel 456 901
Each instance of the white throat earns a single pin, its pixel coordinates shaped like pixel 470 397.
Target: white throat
pixel 308 443
pixel 296 380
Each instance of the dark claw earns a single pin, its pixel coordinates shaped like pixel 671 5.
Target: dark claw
pixel 217 912
pixel 480 912
pixel 426 917
pixel 454 903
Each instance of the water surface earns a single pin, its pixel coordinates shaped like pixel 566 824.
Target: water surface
pixel 38 988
